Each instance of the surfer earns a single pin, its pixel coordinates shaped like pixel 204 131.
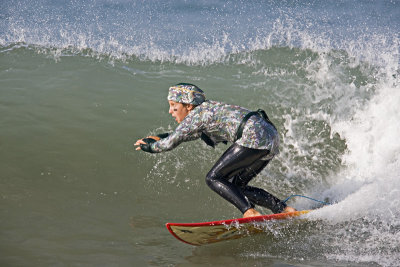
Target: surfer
pixel 255 142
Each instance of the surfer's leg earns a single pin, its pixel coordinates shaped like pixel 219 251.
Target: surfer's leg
pixel 262 198
pixel 233 161
pixel 256 195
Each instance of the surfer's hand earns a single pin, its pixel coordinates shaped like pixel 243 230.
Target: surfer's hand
pixel 141 142
pixel 138 143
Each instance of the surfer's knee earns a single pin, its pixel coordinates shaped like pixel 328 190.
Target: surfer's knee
pixel 211 178
pixel 216 182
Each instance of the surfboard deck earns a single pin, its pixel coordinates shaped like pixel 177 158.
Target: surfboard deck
pixel 198 234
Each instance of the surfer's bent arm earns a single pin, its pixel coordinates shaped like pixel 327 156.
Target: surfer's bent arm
pixel 188 130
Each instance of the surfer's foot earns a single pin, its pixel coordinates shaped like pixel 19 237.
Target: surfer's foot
pixel 251 213
pixel 289 209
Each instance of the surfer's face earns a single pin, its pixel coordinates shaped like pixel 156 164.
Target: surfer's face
pixel 178 110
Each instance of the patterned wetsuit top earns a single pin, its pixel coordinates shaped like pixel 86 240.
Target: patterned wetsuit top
pixel 220 122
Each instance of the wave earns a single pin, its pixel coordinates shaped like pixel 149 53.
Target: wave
pixel 76 38
pixel 334 98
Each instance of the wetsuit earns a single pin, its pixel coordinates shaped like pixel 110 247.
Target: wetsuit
pixel 217 122
pixel 233 171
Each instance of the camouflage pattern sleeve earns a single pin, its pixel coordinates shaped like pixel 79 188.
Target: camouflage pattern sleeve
pixel 220 122
pixel 189 129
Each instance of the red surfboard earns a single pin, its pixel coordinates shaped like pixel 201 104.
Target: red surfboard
pixel 198 234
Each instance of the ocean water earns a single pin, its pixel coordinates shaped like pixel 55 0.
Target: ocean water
pixel 81 81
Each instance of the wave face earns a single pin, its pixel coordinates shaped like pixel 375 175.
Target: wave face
pixel 81 79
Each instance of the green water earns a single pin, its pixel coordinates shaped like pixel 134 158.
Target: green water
pixel 74 192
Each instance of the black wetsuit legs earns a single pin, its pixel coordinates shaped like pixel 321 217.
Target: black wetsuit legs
pixel 233 171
